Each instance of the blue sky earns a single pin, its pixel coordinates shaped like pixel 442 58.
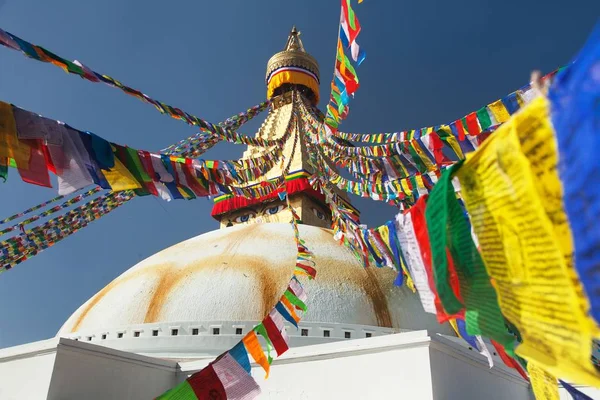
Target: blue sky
pixel 428 62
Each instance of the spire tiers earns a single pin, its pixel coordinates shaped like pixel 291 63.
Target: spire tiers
pixel 293 67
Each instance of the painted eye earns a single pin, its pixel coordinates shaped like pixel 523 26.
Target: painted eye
pixel 319 214
pixel 274 210
pixel 245 217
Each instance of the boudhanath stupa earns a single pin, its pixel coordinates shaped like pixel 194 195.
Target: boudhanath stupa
pixel 170 315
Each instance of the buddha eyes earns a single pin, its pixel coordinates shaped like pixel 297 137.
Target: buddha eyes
pixel 245 217
pixel 240 219
pixel 319 214
pixel 274 210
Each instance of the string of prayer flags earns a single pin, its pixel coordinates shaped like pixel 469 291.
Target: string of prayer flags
pixel 495 113
pixel 31 209
pixel 512 192
pixel 51 211
pixel 199 142
pixel 40 54
pixel 350 28
pixel 345 80
pixel 83 159
pixel 575 96
pixel 15 250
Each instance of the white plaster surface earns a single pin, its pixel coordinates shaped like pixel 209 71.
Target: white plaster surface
pixel 239 273
pixel 414 365
pixel 26 370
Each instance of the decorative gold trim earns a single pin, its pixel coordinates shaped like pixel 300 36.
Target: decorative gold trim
pixel 293 55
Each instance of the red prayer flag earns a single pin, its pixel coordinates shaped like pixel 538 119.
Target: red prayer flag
pixel 461 130
pixel 37 170
pixel 508 360
pixel 207 385
pixel 275 335
pixel 352 20
pixel 417 213
pixel 437 146
pixel 473 124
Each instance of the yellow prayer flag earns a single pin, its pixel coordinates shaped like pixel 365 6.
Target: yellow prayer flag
pixel 405 187
pixel 451 141
pixel 500 113
pixel 544 385
pixel 10 146
pixel 452 322
pixel 119 178
pixel 513 194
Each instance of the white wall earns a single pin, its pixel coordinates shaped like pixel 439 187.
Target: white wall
pixel 465 375
pixel 410 365
pixel 86 371
pixel 192 344
pixel 381 374
pixel 25 371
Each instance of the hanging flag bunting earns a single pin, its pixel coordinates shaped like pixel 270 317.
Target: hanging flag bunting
pixel 15 250
pixel 39 53
pixel 345 80
pixel 83 159
pixel 30 126
pixel 482 234
pixel 495 113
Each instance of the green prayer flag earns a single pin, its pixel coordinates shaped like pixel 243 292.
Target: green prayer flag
pixel 295 300
pixel 131 160
pixel 71 67
pixel 448 227
pixel 436 214
pixel 421 167
pixel 134 157
pixel 484 118
pixel 261 330
pixel 183 391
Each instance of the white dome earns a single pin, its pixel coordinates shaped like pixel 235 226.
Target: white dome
pixel 239 273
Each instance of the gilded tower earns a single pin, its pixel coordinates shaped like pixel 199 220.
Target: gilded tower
pixel 291 72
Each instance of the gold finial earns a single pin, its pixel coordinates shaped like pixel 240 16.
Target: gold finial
pixel 294 43
pixel 293 56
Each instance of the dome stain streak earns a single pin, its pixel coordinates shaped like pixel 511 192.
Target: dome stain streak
pixel 100 295
pixel 270 277
pixel 168 280
pixel 378 299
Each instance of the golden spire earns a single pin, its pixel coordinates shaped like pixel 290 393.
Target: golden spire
pixel 293 58
pixel 294 43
